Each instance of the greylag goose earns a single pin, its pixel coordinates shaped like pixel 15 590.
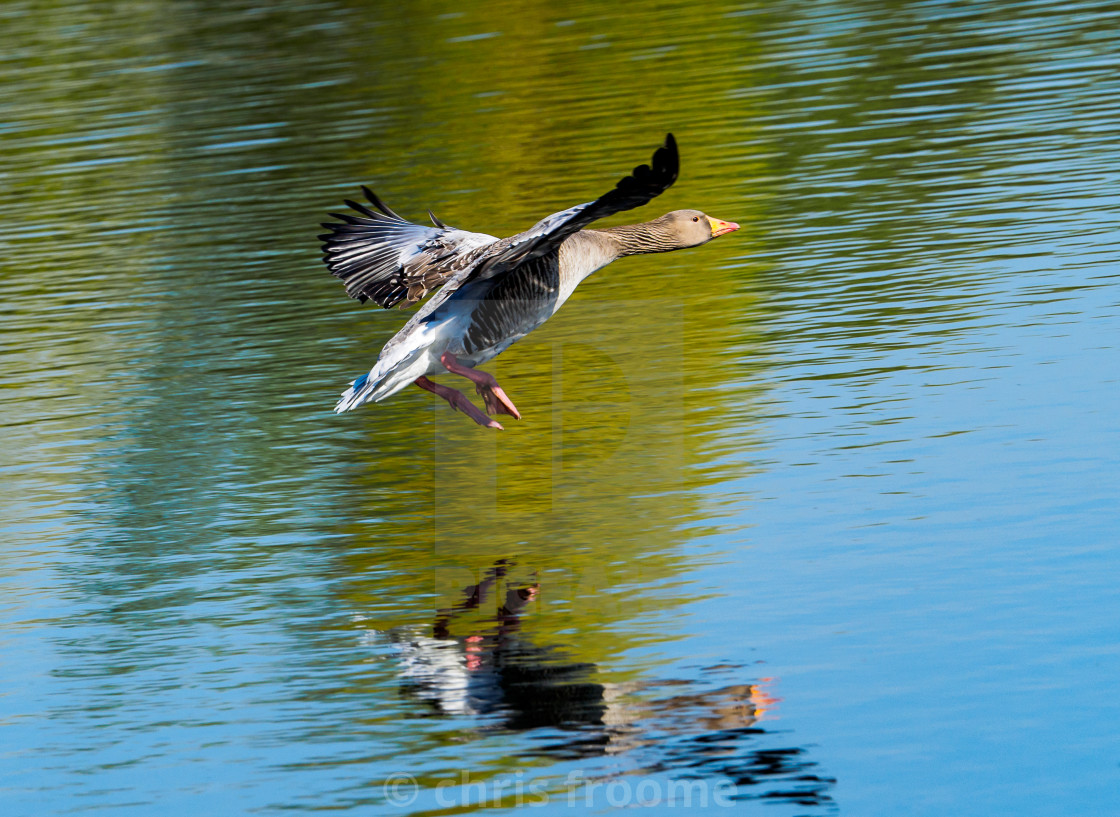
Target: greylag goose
pixel 493 292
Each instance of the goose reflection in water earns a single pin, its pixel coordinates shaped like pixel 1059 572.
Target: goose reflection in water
pixel 481 665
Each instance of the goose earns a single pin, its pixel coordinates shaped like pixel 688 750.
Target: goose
pixel 492 292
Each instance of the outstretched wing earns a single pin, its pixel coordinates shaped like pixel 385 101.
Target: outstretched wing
pixel 382 257
pixel 640 187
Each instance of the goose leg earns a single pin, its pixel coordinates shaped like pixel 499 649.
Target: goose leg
pixel 458 401
pixel 496 400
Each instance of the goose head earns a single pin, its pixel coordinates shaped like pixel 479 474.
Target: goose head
pixel 691 228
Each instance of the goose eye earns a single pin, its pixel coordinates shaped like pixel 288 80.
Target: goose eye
pixel 696 218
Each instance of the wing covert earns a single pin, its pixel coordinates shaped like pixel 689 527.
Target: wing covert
pixel 644 183
pixel 382 257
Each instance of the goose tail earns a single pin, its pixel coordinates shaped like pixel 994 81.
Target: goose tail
pixel 361 390
pixel 389 375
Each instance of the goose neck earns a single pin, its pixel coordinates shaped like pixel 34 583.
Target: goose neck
pixel 640 239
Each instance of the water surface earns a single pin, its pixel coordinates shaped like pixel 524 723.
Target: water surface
pixel 818 518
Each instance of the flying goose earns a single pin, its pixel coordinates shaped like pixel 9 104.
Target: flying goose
pixel 494 291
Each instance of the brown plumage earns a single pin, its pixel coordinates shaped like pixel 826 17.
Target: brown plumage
pixel 494 292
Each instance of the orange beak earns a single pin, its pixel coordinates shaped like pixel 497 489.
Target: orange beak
pixel 721 227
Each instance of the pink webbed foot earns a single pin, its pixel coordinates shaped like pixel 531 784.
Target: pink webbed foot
pixel 497 402
pixel 458 401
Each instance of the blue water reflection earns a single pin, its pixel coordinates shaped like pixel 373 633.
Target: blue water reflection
pixel 821 519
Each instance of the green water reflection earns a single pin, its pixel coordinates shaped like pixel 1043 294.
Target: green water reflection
pixel 224 341
pixel 192 527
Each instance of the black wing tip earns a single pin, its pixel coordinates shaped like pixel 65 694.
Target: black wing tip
pixel 366 215
pixel 375 200
pixel 361 208
pixel 647 181
pixel 667 159
pixel 347 218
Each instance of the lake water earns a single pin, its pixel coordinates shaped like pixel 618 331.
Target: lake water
pixel 819 518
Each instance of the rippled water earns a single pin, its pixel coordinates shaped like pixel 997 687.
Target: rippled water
pixel 818 518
